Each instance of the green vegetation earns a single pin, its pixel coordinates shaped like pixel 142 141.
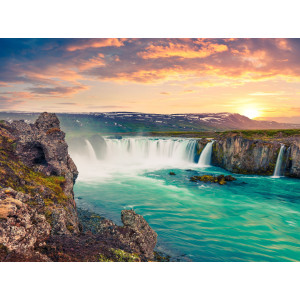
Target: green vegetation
pixel 264 134
pixel 118 255
pixel 160 257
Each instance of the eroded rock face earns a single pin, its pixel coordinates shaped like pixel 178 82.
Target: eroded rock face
pixel 249 156
pixel 240 155
pixel 42 147
pixel 38 217
pixel 135 236
pixel 21 225
pixel 293 165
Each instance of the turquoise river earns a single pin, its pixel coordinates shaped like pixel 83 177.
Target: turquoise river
pixel 255 218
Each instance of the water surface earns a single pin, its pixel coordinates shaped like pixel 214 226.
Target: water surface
pixel 255 218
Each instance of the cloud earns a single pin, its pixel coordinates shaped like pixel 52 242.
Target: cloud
pixel 183 50
pixel 188 91
pixel 82 44
pixel 265 94
pixel 64 67
pixel 57 91
pixel 67 103
pixel 107 107
pixel 164 93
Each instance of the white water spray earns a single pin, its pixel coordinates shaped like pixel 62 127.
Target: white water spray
pixel 205 157
pixel 132 155
pixel 154 150
pixel 91 152
pixel 279 163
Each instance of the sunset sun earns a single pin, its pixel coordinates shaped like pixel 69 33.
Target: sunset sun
pixel 251 112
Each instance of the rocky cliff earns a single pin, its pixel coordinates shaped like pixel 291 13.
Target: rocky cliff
pixel 238 154
pixel 37 209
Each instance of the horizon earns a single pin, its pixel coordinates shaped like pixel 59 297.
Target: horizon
pixel 257 78
pixel 146 113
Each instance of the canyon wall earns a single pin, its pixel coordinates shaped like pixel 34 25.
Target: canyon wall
pixel 241 155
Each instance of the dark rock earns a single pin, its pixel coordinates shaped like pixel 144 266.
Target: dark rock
pixel 221 179
pixel 21 226
pixel 172 173
pixel 135 236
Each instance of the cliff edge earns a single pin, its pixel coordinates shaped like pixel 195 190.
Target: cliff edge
pixel 38 215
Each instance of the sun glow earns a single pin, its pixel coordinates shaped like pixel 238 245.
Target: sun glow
pixel 251 112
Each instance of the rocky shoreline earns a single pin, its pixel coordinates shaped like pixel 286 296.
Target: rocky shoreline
pixel 38 215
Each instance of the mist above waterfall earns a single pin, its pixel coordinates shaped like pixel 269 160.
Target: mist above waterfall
pixel 132 154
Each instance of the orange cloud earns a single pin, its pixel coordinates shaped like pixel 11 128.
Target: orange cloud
pixel 96 43
pixel 182 50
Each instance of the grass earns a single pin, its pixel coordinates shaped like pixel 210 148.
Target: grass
pixel 264 134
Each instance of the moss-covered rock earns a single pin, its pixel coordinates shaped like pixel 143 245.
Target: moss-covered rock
pixel 221 179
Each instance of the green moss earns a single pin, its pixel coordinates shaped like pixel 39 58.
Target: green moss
pixel 160 257
pixel 14 174
pixel 118 255
pixel 48 215
pixel 70 227
pixel 103 258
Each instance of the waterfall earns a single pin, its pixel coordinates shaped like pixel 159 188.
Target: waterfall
pixel 154 150
pixel 278 166
pixel 91 152
pixel 205 157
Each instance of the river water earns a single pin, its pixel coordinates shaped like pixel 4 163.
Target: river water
pixel 255 218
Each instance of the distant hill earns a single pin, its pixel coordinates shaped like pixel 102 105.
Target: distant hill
pixel 120 122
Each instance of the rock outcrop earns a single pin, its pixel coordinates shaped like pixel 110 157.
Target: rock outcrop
pixel 242 155
pixel 22 226
pixel 135 236
pixel 38 215
pixel 41 147
pixel 293 158
pixel 134 241
pixel 239 155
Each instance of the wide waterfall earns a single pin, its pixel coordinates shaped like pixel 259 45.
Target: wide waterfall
pixel 205 157
pixel 133 154
pixel 278 167
pixel 151 149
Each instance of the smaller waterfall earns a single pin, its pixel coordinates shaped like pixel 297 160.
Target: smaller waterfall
pixel 91 151
pixel 205 157
pixel 279 162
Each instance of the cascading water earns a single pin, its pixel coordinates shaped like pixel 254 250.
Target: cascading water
pixel 151 149
pixel 277 171
pixel 205 157
pixel 135 154
pixel 91 152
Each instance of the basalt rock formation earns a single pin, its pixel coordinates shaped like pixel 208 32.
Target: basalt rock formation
pixel 293 158
pixel 238 154
pixel 38 215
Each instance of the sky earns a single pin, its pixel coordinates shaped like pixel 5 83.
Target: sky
pixel 259 78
